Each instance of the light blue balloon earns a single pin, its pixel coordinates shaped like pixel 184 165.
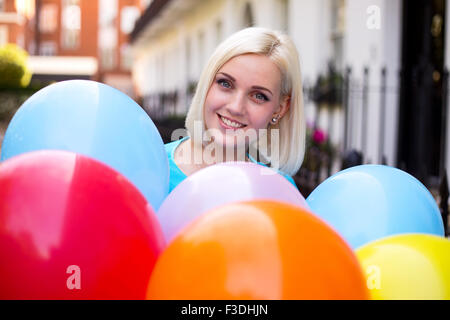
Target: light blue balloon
pixel 369 202
pixel 98 121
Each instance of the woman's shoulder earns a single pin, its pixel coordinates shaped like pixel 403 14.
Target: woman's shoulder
pixel 176 175
pixel 171 146
pixel 288 177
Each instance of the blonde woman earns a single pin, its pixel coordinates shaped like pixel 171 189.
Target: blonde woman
pixel 248 105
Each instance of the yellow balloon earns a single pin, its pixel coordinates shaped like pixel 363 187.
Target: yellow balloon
pixel 407 267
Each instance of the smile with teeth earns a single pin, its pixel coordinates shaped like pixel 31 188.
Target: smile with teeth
pixel 231 123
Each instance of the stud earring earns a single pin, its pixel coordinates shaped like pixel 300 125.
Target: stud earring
pixel 274 120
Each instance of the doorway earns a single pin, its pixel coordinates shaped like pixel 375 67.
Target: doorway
pixel 422 103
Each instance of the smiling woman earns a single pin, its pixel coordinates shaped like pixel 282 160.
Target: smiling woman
pixel 246 94
pixel 248 101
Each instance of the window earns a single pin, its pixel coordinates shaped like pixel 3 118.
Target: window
pixel 108 35
pixel 108 58
pixel 71 24
pixel 3 35
pixel 337 32
pixel 108 45
pixel 129 15
pixel 25 8
pixel 48 18
pixel 32 47
pixel 2 5
pixel 108 12
pixel 145 3
pixel 20 40
pixel 126 56
pixel 47 48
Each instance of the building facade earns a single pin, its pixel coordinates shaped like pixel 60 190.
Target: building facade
pixel 115 23
pixel 14 26
pixel 74 38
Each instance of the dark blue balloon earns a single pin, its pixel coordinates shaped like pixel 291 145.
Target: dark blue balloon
pixel 96 120
pixel 369 202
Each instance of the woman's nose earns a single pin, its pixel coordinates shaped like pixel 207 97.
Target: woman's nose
pixel 237 104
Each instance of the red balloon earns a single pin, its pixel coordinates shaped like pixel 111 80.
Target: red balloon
pixel 73 228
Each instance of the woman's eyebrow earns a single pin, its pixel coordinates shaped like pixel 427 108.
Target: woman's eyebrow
pixel 227 75
pixel 262 88
pixel 255 87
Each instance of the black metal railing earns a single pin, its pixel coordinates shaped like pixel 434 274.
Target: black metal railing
pixel 355 106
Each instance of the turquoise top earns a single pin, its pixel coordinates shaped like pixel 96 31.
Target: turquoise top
pixel 176 175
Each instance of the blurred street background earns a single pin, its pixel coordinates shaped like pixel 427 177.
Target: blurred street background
pixel 374 71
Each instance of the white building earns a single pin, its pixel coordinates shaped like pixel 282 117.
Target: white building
pixel 174 38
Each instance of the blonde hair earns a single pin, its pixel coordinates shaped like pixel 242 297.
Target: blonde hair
pixel 282 51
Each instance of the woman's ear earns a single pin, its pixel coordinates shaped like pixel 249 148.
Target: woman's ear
pixel 285 104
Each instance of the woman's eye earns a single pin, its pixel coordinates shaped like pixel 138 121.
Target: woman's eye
pixel 224 83
pixel 260 96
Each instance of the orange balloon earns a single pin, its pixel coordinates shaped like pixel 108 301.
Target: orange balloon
pixel 258 250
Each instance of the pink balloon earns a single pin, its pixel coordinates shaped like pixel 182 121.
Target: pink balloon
pixel 221 184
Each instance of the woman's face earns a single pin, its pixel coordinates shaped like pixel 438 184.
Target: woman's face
pixel 244 96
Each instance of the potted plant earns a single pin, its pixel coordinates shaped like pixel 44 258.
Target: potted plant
pixel 328 90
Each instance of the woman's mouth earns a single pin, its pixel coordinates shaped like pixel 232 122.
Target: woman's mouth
pixel 230 124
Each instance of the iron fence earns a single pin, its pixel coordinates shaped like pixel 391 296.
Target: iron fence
pixel 355 103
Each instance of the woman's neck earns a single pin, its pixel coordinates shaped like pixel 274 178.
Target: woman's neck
pixel 211 153
pixel 191 156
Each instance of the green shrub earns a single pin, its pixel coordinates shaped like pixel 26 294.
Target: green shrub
pixel 14 72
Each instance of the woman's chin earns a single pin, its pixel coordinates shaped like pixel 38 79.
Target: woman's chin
pixel 227 142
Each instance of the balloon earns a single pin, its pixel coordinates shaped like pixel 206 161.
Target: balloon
pixel 72 228
pixel 96 120
pixel 370 202
pixel 257 250
pixel 407 266
pixel 221 184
